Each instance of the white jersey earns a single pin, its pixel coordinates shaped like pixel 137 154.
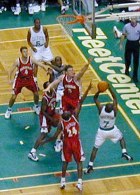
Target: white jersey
pixel 56 75
pixel 37 38
pixel 107 120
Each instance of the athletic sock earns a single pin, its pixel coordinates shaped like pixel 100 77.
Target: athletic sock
pixel 124 150
pixel 90 163
pixel 33 150
pixel 80 181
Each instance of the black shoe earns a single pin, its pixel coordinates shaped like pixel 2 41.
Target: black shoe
pixel 89 169
pixel 135 79
pixel 127 73
pixel 126 156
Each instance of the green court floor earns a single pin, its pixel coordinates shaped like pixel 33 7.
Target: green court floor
pixel 18 171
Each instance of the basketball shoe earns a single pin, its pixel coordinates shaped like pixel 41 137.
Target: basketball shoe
pixel 79 186
pixel 8 113
pixel 33 156
pixel 126 156
pixel 58 146
pixel 62 184
pixel 89 169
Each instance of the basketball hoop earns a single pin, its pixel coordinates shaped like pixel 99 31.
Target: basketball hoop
pixel 67 21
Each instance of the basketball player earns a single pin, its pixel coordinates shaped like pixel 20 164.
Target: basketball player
pixel 38 40
pixel 107 129
pixel 58 69
pixel 47 119
pixel 72 87
pixel 69 125
pixel 24 78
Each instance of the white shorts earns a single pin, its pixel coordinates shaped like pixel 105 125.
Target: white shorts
pixel 43 54
pixel 114 135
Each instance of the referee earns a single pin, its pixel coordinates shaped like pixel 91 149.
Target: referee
pixel 131 31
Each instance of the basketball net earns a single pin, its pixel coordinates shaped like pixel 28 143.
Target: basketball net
pixel 68 21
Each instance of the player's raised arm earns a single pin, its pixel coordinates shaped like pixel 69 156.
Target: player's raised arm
pixel 79 75
pixel 58 69
pixel 97 102
pixel 78 109
pixel 54 84
pixel 115 103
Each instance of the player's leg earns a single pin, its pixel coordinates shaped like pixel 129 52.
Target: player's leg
pixel 44 130
pixel 33 87
pixel 58 144
pixel 36 107
pixel 115 136
pixel 63 180
pixel 117 32
pixel 99 140
pixel 11 103
pixel 125 155
pixel 66 156
pixel 32 154
pixel 17 86
pixel 79 185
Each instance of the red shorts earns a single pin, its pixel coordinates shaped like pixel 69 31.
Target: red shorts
pixel 72 147
pixel 69 104
pixel 19 83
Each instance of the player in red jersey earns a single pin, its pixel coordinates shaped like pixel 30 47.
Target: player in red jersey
pixel 47 119
pixel 69 125
pixel 24 78
pixel 72 87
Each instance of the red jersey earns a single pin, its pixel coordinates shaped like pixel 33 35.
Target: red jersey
pixel 71 88
pixel 70 128
pixel 25 70
pixel 50 102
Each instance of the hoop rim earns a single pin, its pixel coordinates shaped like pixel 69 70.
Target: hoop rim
pixel 75 18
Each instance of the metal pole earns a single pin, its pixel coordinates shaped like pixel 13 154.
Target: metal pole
pixel 93 20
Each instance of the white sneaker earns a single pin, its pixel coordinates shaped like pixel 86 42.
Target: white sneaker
pixel 30 9
pixel 43 7
pixel 63 10
pixel 117 33
pixel 36 108
pixel 96 4
pixel 79 186
pixel 58 146
pixel 62 185
pixel 8 114
pixel 33 156
pixel 17 10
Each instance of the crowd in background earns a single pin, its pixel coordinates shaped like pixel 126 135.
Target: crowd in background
pixel 31 6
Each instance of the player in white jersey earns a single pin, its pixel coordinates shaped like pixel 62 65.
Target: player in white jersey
pixel 107 129
pixel 58 68
pixel 38 40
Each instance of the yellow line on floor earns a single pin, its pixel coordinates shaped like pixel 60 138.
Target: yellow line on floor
pixel 70 171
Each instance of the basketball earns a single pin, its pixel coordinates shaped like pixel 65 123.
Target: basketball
pixel 56 118
pixel 102 86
